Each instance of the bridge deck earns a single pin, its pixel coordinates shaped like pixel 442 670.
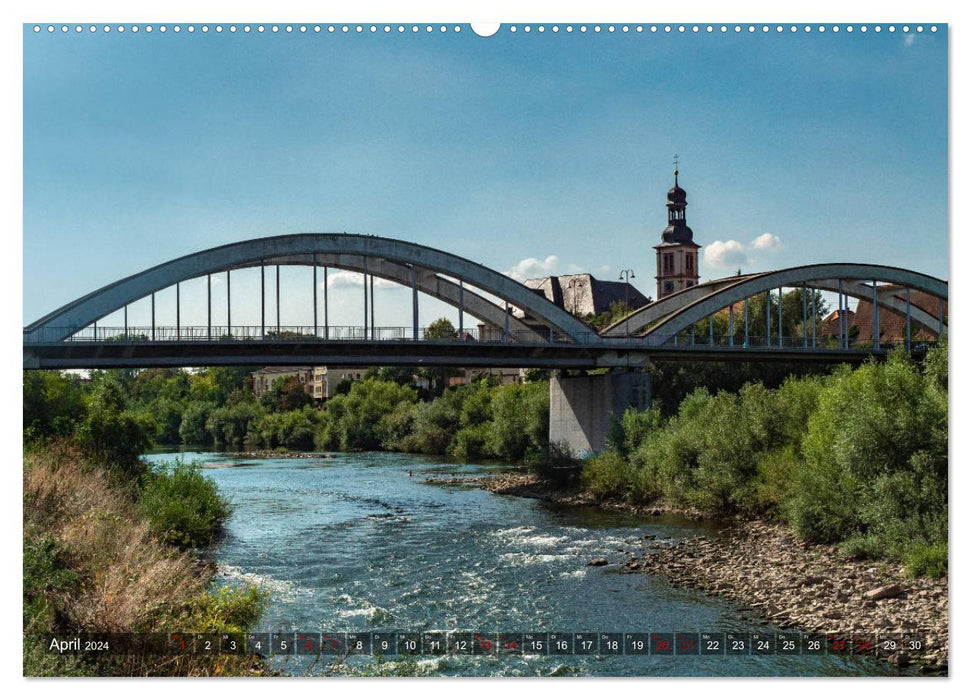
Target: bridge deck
pixel 362 353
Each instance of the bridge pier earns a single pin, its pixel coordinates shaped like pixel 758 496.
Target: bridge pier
pixel 581 408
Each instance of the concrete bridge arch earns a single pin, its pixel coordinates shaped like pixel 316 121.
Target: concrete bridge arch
pixel 390 258
pixel 676 312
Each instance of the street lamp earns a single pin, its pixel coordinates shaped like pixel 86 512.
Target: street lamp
pixel 626 275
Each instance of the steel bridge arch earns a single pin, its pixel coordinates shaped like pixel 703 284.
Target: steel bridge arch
pixel 821 276
pixel 300 249
pixel 651 313
pixel 427 281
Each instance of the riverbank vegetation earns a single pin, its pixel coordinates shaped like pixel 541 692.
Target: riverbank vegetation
pixel 116 415
pixel 855 457
pixel 94 563
pixel 858 457
pixel 109 544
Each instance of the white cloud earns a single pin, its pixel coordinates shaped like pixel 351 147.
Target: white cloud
pixel 767 241
pixel 529 268
pixel 604 269
pixel 345 279
pixel 725 254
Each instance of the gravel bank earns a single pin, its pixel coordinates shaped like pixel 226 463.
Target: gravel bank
pixel 274 454
pixel 790 583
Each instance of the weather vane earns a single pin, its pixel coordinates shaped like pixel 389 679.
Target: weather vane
pixel 675 163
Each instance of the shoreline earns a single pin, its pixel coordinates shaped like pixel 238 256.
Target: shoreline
pixel 788 583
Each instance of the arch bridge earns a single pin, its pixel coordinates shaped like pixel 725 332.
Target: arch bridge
pixel 517 327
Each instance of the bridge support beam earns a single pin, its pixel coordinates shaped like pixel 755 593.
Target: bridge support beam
pixel 414 304
pixel 581 408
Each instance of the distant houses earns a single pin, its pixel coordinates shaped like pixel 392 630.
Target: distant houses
pixel 893 325
pixel 320 382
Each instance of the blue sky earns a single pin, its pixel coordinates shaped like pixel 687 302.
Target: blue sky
pixel 531 153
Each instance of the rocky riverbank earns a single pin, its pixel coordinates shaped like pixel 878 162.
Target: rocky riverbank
pixel 527 485
pixel 812 588
pixel 275 454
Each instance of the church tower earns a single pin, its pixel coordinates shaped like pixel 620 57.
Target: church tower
pixel 677 254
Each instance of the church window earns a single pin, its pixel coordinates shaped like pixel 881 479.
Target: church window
pixel 668 263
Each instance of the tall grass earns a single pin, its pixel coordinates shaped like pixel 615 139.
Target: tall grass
pixel 93 563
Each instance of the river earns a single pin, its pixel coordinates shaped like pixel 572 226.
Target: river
pixel 357 542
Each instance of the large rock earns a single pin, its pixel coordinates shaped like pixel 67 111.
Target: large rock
pixel 891 590
pixel 598 561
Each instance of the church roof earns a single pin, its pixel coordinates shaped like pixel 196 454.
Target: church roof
pixel 584 294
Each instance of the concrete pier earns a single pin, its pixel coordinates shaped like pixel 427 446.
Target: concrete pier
pixel 581 408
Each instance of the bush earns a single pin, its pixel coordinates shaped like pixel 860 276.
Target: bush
pixel 632 428
pixel 875 459
pixel 182 505
pixel 607 475
pixel 397 427
pixel 354 420
pixel 862 547
pixel 229 425
pixel 471 442
pixel 435 424
pixel 520 421
pixel 47 578
pixel 226 610
pixel 294 430
pixel 928 560
pixel 773 479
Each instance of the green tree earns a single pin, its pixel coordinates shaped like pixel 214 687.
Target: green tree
pixel 440 329
pixel 402 375
pixel 152 384
pixel 287 394
pixel 876 460
pixel 111 431
pixel 618 309
pixel 53 403
pixel 520 421
pixel 354 420
pixel 192 428
pixel 219 383
pixel 229 425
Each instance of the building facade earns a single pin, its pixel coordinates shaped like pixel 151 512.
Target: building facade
pixel 326 379
pixel 320 382
pixel 677 253
pixel 265 378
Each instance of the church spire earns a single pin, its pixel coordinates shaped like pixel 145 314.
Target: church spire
pixel 677 254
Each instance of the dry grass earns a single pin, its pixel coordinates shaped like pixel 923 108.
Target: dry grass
pixel 130 581
pixel 129 575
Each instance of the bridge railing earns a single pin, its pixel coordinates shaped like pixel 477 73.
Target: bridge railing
pixel 296 334
pixel 822 343
pixel 406 334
